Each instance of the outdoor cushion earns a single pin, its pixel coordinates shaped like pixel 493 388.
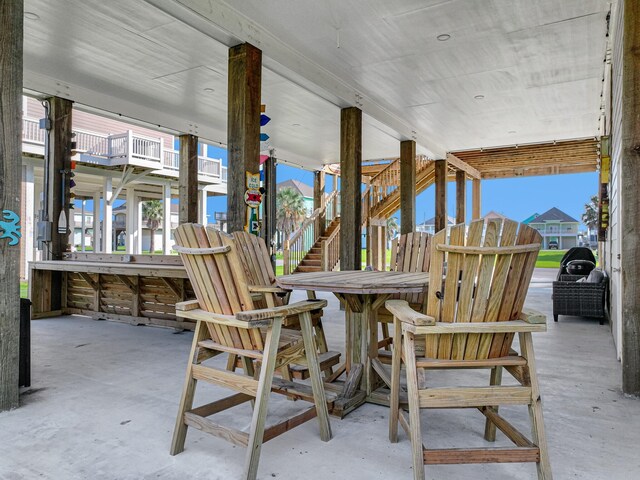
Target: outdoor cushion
pixel 596 276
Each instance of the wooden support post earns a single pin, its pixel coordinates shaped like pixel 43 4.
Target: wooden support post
pixel 630 201
pixel 188 180
pixel 29 211
pixel 461 196
pixel 202 207
pixel 318 199
pixel 11 15
pixel 268 230
pixel 59 161
pixel 132 221
pixel 441 194
pixel 243 128
pixel 350 194
pixel 407 186
pixel 476 200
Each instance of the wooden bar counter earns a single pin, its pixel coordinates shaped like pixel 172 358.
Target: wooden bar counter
pixel 135 289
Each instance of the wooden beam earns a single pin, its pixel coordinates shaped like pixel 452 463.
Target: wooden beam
pixel 461 196
pixel 268 230
pixel 476 199
pixel 11 17
pixel 188 180
pixel 630 201
pixel 318 197
pixel 243 128
pixel 441 194
pixel 407 186
pixel 350 181
pixel 462 165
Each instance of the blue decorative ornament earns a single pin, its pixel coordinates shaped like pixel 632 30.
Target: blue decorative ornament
pixel 10 228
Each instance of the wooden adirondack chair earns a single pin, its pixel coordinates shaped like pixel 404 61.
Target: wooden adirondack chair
pixel 410 252
pixel 470 322
pixel 228 323
pixel 266 294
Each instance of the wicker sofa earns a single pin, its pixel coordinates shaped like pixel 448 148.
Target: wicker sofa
pixel 581 296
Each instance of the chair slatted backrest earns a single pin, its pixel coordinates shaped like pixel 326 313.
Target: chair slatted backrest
pixel 411 252
pixel 256 263
pixel 219 282
pixel 487 277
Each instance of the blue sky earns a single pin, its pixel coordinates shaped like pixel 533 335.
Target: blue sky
pixel 517 198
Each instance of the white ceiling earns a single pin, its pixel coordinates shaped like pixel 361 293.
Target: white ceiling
pixel 538 64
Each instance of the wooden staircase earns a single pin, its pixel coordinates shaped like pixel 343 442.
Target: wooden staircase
pixel 312 261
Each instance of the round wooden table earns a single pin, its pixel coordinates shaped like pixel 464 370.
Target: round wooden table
pixel 362 293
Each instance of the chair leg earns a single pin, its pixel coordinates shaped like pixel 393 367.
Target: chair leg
pixel 396 363
pixel 535 409
pixel 317 386
pixel 323 346
pixel 414 406
pixel 232 361
pixel 489 426
pixel 188 391
pixel 256 432
pixel 385 333
pixel 555 318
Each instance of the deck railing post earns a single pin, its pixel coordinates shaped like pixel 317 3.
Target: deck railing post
pixel 285 257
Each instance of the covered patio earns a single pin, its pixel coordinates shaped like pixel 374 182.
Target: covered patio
pixel 104 396
pixel 376 95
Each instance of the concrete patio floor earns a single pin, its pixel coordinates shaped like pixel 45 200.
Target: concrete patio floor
pixel 104 396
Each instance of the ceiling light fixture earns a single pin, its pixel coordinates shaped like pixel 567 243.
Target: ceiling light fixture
pixel 209 90
pixel 443 37
pixel 511 131
pixel 31 16
pixel 479 97
pixel 295 125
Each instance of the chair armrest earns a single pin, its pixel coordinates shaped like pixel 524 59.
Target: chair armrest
pixel 268 289
pixel 403 312
pixel 513 326
pixel 187 305
pixel 533 316
pixel 228 320
pixel 282 311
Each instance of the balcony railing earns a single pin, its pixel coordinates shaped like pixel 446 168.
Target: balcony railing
pixel 126 147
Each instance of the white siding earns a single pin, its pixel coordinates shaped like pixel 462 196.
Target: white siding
pixel 613 242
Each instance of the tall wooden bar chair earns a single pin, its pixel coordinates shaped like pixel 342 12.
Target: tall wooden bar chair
pixel 470 323
pixel 410 252
pixel 228 323
pixel 266 294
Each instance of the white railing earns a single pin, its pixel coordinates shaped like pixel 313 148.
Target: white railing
pixel 92 143
pixel 31 131
pixel 172 159
pixel 125 146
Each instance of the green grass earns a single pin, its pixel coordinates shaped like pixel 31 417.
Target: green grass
pixel 24 290
pixel 551 258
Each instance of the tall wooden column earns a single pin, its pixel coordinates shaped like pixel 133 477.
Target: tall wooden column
pixel 107 216
pixel 461 196
pixel 630 201
pixel 243 127
pixel 407 186
pixel 350 194
pixel 441 194
pixel 166 218
pixel 188 181
pixel 476 199
pixel 59 196
pixel 268 230
pixel 10 161
pixel 318 197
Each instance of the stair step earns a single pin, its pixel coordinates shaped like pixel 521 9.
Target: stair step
pixel 313 256
pixel 302 268
pixel 310 263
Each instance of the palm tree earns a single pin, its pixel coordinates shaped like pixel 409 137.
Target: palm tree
pixel 590 215
pixel 152 212
pixel 392 228
pixel 291 211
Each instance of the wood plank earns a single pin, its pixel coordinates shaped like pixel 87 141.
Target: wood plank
pixel 234 381
pixel 476 199
pixel 231 435
pixel 288 424
pixel 441 194
pixel 480 455
pixel 464 397
pixel 462 167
